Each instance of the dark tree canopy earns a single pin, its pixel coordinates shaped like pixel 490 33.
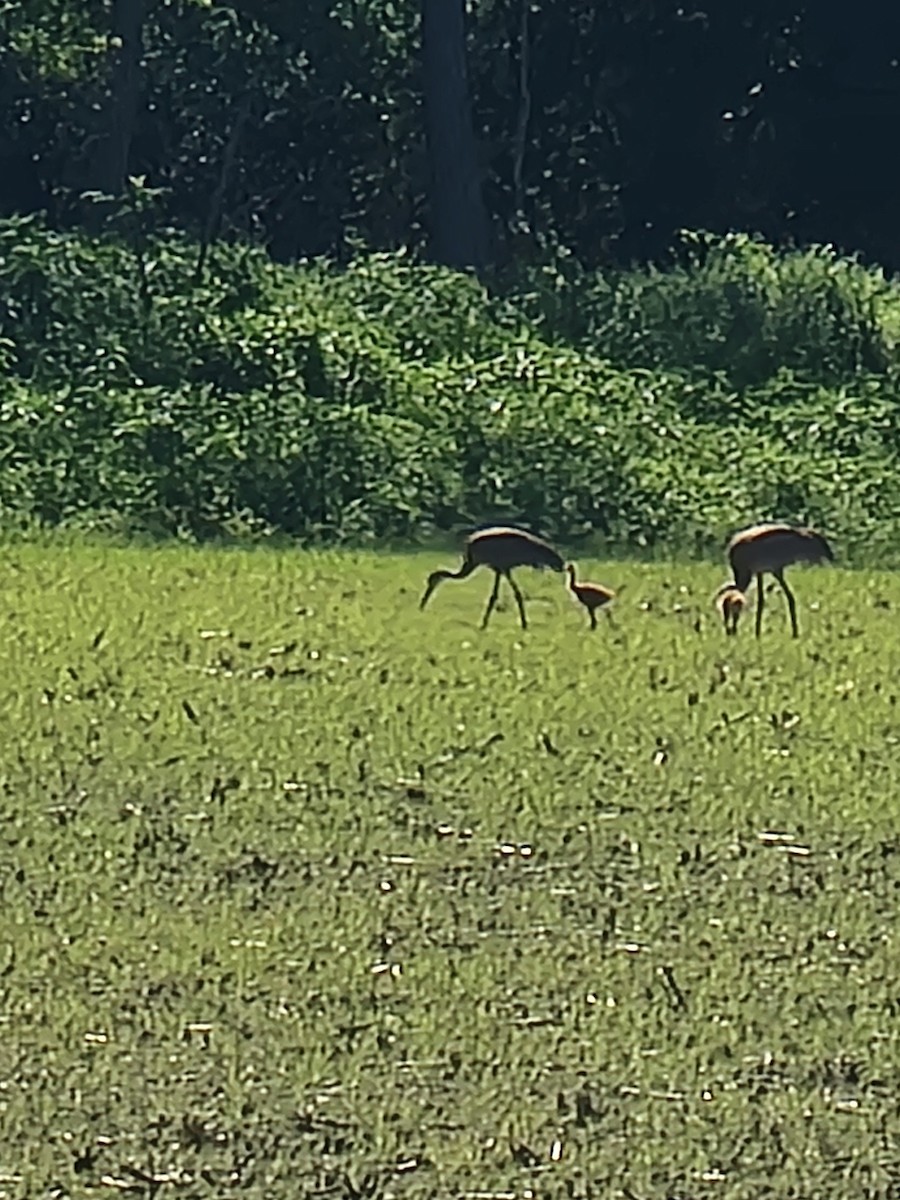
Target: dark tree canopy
pixel 601 125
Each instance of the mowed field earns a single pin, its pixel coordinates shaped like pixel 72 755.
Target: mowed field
pixel 308 893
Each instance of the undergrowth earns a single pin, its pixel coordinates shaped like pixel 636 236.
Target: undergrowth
pixel 389 398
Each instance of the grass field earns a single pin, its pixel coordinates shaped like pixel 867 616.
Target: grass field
pixel 307 893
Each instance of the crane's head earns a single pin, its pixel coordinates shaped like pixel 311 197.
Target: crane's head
pixel 433 580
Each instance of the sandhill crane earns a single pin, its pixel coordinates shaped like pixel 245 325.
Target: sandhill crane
pixel 730 601
pixel 770 548
pixel 591 595
pixel 501 548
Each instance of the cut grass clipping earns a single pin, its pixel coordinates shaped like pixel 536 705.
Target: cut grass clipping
pixel 306 892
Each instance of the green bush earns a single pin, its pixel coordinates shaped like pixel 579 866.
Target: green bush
pixel 380 400
pixel 731 306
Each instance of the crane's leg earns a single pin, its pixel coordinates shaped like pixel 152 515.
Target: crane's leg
pixel 792 604
pixel 495 591
pixel 520 599
pixel 760 600
pixel 593 617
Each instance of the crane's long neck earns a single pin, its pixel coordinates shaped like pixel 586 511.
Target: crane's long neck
pixel 466 568
pixel 743 574
pixel 573 586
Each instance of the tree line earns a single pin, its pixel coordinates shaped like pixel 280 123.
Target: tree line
pixel 479 132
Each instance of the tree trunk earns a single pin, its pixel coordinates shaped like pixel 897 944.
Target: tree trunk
pixel 459 222
pixel 109 164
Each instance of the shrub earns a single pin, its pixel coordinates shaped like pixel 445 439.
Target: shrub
pixel 381 399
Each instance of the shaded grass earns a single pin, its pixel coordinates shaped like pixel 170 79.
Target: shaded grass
pixel 309 893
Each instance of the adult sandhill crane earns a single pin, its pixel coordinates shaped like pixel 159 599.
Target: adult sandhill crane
pixel 730 601
pixel 769 549
pixel 501 548
pixel 591 595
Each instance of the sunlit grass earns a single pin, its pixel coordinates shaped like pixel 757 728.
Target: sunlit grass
pixel 307 892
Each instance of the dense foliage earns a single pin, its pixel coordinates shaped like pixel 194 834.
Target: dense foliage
pixel 603 127
pixel 389 397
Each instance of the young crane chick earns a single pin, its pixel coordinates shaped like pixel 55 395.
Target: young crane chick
pixel 591 595
pixel 731 602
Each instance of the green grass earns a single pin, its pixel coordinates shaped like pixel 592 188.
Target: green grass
pixel 306 892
